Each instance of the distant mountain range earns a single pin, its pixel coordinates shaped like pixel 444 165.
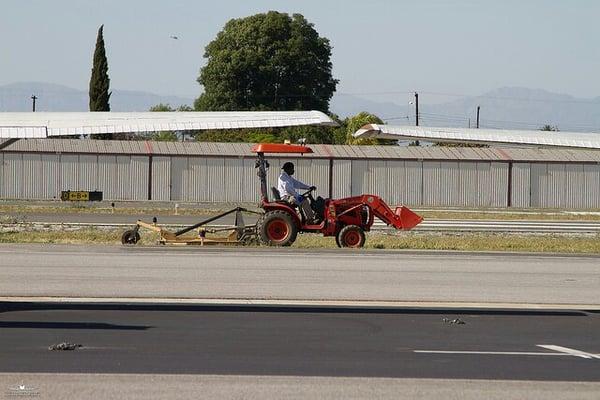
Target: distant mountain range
pixel 52 97
pixel 504 108
pixel 507 108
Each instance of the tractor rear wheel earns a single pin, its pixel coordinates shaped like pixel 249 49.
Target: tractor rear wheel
pixel 276 228
pixel 130 237
pixel 351 236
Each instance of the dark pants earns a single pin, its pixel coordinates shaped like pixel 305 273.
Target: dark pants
pixel 305 208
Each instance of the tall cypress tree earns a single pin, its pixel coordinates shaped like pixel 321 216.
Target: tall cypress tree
pixel 99 81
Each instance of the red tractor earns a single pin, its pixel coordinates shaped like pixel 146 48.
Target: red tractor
pixel 347 219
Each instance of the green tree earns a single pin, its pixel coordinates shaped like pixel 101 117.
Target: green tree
pixel 549 128
pixel 315 134
pixel 238 135
pixel 99 81
pixel 359 120
pixel 270 61
pixel 167 136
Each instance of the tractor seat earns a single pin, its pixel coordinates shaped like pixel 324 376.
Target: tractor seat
pixel 275 193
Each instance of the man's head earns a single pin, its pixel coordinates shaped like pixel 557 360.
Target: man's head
pixel 288 167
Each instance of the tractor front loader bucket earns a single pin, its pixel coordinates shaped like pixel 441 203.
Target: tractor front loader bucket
pixel 408 218
pixel 402 218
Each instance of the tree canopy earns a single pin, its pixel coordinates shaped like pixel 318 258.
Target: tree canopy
pixel 167 136
pixel 356 122
pixel 549 128
pixel 99 80
pixel 270 61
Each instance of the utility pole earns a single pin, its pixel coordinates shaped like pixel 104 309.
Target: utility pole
pixel 34 98
pixel 416 109
pixel 478 116
pixel 416 114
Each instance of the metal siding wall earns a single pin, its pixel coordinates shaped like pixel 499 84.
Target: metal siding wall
pixel 450 187
pixel 555 187
pixel 87 176
pixel 591 176
pixel 470 189
pixel 318 175
pixel 377 181
pixel 414 183
pixel 50 182
pixel 359 173
pixel 107 177
pixel 68 172
pixel 161 178
pixel 521 185
pixel 342 179
pixel 396 183
pixel 32 176
pixel 124 178
pixel 193 179
pixel 234 180
pixel 251 186
pixel 178 166
pixel 139 178
pixel 12 176
pixel 431 177
pixel 574 193
pixel 482 186
pixel 214 188
pixel 539 183
pixel 441 182
pixel 499 186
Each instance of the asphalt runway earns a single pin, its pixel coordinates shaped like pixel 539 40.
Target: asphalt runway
pixel 151 350
pixel 401 343
pixel 275 274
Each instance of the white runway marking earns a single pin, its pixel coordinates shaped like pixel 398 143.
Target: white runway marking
pixel 561 351
pixel 566 350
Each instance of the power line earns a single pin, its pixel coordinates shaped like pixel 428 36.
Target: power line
pixel 591 101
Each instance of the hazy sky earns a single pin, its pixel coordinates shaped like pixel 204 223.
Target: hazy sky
pixel 457 47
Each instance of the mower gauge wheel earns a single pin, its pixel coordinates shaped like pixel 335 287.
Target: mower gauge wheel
pixel 130 237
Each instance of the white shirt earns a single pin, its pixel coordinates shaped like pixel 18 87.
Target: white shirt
pixel 287 185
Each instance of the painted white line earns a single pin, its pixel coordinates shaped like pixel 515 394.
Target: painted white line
pixel 495 353
pixel 561 351
pixel 566 350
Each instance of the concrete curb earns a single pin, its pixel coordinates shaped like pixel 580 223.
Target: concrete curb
pixel 296 303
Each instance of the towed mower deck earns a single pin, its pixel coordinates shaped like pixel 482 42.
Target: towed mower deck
pixel 239 232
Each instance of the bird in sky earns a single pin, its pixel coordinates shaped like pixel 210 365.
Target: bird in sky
pixel 174 37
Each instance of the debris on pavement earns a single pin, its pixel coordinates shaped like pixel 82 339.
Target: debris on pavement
pixel 64 346
pixel 456 321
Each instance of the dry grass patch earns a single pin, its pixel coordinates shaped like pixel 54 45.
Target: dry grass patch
pixel 468 242
pixel 416 241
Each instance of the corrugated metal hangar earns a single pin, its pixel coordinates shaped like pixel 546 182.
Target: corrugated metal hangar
pixel 224 172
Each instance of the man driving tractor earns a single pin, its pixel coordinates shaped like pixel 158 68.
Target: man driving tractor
pixel 287 190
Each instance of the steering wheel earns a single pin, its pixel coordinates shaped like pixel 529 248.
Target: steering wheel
pixel 308 193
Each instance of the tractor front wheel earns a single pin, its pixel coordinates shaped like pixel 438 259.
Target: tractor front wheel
pixel 351 236
pixel 277 228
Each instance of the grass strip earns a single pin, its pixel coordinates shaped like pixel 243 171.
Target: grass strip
pixel 588 244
